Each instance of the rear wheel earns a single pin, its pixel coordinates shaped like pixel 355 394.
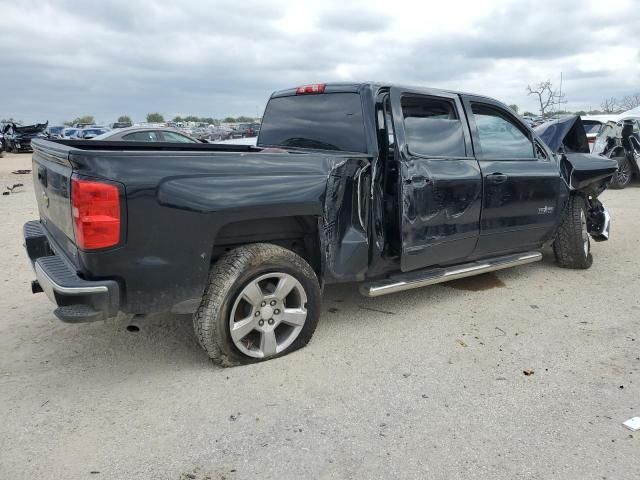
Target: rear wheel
pixel 572 246
pixel 623 175
pixel 262 302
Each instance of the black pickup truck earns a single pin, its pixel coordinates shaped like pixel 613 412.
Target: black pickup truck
pixel 390 186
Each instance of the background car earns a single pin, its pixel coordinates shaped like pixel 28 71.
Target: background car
pixel 148 134
pixel 238 141
pixel 54 132
pixel 621 141
pixel 592 128
pixel 90 132
pixel 69 132
pixel 120 125
pixel 17 138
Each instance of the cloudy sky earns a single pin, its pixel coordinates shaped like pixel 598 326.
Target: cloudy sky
pixel 61 59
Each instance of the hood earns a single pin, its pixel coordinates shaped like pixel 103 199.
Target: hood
pixel 566 133
pixel 27 129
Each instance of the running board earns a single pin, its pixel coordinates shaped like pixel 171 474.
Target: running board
pixel 431 276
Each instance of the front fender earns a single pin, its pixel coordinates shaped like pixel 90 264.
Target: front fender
pixel 586 172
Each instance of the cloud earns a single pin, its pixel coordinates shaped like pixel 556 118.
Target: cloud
pixel 354 19
pixel 62 58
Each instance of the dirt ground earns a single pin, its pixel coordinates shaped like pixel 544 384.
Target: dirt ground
pixel 423 384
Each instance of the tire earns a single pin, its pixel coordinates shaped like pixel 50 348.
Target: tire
pixel 572 246
pixel 623 175
pixel 243 291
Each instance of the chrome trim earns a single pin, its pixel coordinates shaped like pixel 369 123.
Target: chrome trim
pixel 359 194
pixel 603 234
pixel 423 278
pixel 49 286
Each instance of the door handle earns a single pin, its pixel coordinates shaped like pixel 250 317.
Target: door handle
pixel 497 178
pixel 42 175
pixel 418 180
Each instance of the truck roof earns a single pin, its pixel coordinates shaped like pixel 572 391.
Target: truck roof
pixel 354 87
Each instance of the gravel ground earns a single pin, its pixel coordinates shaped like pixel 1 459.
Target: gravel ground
pixel 423 384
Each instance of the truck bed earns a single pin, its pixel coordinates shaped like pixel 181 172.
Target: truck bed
pixel 105 145
pixel 183 204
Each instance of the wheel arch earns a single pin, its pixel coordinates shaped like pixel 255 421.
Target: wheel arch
pixel 298 233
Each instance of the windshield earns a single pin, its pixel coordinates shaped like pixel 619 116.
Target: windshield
pixel 591 126
pixel 331 121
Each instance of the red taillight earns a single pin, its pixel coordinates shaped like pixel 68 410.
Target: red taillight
pixel 95 207
pixel 307 89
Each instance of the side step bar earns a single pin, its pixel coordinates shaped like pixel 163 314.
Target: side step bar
pixel 431 276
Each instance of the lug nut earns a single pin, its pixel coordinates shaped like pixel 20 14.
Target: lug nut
pixel 257 314
pixel 261 322
pixel 273 302
pixel 271 321
pixel 263 303
pixel 276 311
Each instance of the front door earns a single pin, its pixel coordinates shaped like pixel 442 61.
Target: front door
pixel 440 186
pixel 521 198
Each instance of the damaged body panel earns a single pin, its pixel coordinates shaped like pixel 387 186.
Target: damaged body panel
pixel 583 172
pixel 362 181
pixel 17 138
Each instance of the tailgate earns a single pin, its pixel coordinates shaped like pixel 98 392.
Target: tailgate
pixel 51 179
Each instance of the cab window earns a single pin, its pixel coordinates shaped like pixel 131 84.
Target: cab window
pixel 500 137
pixel 432 127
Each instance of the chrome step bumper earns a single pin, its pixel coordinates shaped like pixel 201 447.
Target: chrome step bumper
pixel 431 276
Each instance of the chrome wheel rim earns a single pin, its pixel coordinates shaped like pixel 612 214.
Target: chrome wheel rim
pixel 268 315
pixel 624 171
pixel 585 233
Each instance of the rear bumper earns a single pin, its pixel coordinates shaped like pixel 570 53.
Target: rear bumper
pixel 77 300
pixel 22 146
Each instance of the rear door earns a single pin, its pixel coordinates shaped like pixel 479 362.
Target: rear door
pixel 521 181
pixel 440 186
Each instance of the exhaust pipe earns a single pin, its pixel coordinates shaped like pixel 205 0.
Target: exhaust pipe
pixel 133 326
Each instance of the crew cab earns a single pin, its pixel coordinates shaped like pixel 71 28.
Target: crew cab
pixel 390 186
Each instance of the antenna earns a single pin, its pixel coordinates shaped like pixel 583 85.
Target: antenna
pixel 560 98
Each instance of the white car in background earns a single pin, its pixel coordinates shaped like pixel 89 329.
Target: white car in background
pixel 593 123
pixel 239 141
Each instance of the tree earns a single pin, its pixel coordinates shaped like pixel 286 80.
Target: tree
pixel 545 93
pixel 630 101
pixel 124 119
pixel 514 107
pixel 243 119
pixel 155 118
pixel 10 120
pixel 609 105
pixel 229 120
pixel 88 119
pixel 527 114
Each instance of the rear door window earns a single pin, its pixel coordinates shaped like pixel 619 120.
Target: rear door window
pixel 432 126
pixel 500 136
